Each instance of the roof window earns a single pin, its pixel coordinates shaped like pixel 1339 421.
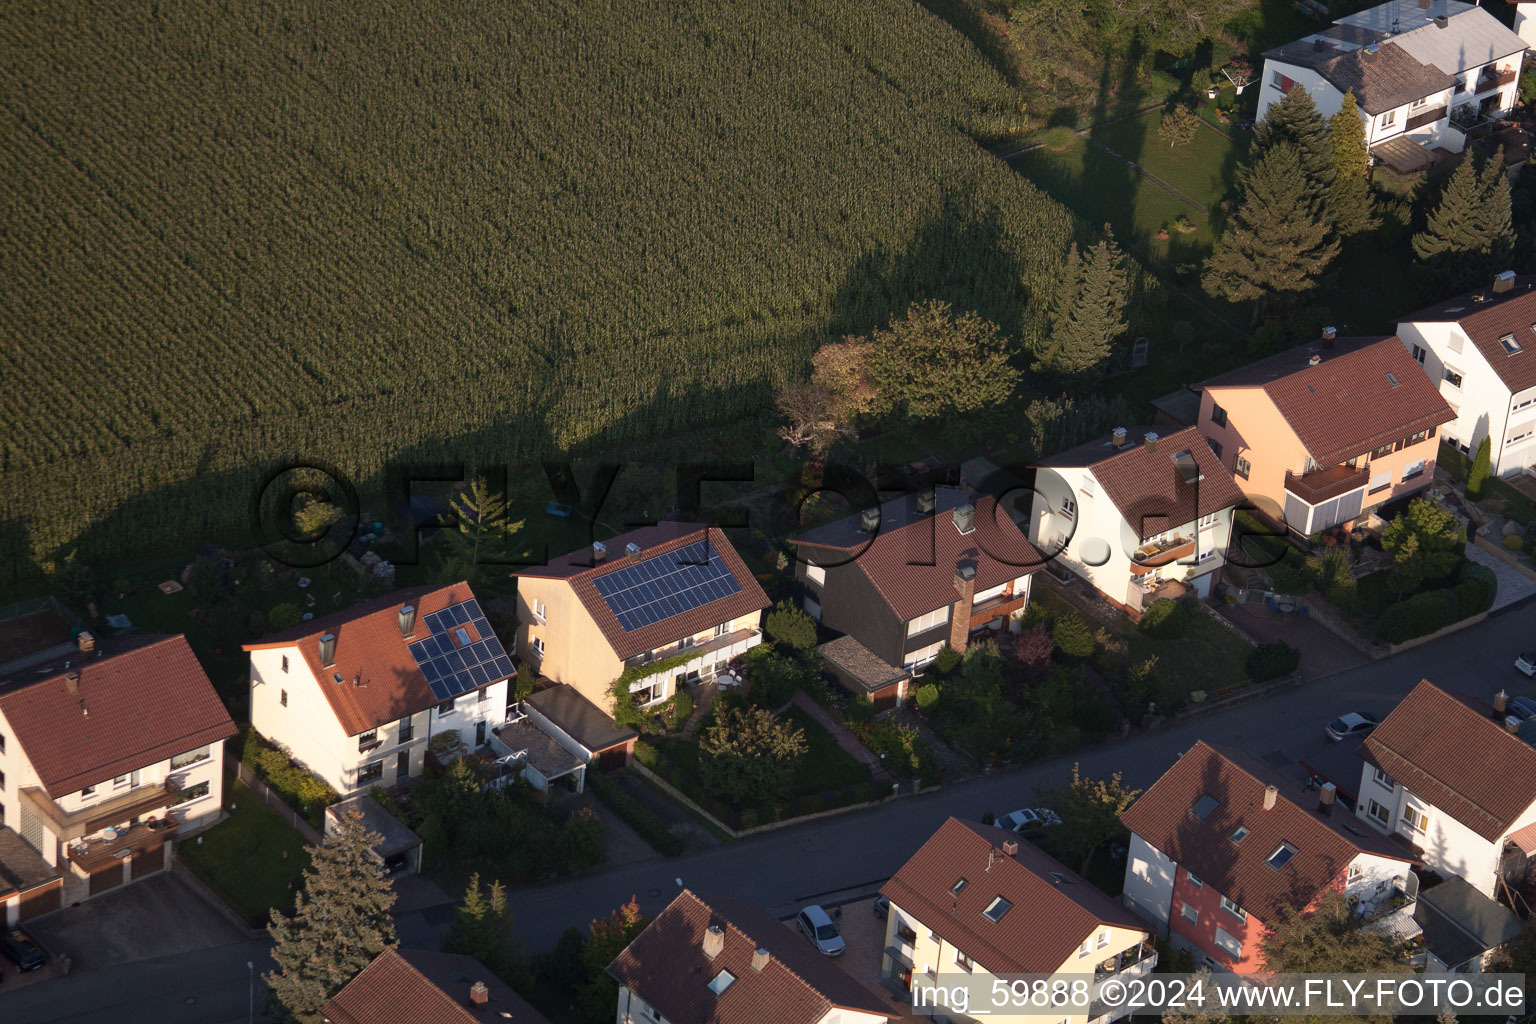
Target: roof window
pixel 996 909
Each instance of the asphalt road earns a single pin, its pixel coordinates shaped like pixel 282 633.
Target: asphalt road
pixel 832 860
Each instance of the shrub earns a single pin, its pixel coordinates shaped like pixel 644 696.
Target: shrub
pixel 1166 618
pixel 283 616
pixel 927 696
pixel 1073 637
pixel 1345 595
pixel 681 710
pixel 1271 661
pixel 1476 589
pixel 646 754
pixel 1477 477
pixel 1290 574
pixel 748 753
pixel 749 819
pixel 638 817
pixel 1419 615
pixel 787 624
pixel 1514 542
pixel 865 792
pixel 988 818
pixel 1178 126
pixel 811 804
pixel 1094 717
pixel 947 661
pixel 1058 139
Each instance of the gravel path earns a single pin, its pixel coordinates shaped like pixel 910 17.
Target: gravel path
pixel 1513 584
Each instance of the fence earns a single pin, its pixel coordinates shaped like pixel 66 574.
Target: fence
pixel 1234 627
pixel 277 803
pixel 1244 693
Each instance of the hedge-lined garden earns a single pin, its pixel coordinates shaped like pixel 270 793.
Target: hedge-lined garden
pixel 300 788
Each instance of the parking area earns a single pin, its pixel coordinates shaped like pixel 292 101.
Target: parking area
pixel 159 916
pixel 864 934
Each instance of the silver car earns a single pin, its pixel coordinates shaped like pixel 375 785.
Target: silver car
pixel 817 926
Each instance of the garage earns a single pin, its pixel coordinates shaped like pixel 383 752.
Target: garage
pixel 148 861
pixel 42 900
pixel 107 878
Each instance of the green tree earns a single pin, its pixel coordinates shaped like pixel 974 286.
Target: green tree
pixel 748 755
pixel 1178 126
pixel 1482 465
pixel 284 616
pixel 1090 812
pixel 607 938
pixel 315 516
pixel 1426 537
pixel 1349 196
pixel 73 584
pixel 1208 1012
pixel 1073 636
pixel 482 928
pixel 932 361
pixel 484 526
pixel 1329 938
pixel 1468 238
pixel 1295 120
pixel 1089 311
pixel 1278 241
pixel 340 923
pixel 787 624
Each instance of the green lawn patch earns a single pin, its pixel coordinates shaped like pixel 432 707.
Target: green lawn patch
pixel 1208 656
pixel 1202 170
pixel 243 858
pixel 827 765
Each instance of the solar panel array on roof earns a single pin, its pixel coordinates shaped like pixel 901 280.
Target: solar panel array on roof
pixel 460 653
pixel 667 585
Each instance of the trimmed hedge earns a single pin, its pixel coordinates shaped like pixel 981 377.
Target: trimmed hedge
pixel 1271 661
pixel 1166 618
pixel 649 827
pixel 300 788
pixel 1476 590
pixel 1419 615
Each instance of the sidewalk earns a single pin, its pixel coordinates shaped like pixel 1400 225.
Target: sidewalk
pixel 845 739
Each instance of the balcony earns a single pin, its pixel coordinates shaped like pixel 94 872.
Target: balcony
pixel 1492 79
pixel 711 646
pixel 363 746
pixel 1130 963
pixel 1160 553
pixel 1325 484
pixel 997 607
pixel 91 854
pixel 89 820
pixel 1429 116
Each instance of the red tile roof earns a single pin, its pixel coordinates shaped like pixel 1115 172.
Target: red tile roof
pixel 1346 405
pixel 1486 321
pixel 143 700
pixel 1449 749
pixel 1325 846
pixel 1147 486
pixel 666 967
pixel 1054 909
pixel 371 651
pixel 655 542
pixel 911 559
pixel 409 986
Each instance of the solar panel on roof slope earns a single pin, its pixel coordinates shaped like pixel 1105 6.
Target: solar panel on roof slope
pixel 450 669
pixel 658 588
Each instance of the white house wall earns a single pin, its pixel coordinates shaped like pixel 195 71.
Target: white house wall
pixel 1482 403
pixel 1149 874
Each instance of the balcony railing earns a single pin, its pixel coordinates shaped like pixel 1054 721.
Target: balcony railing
pixel 1488 82
pixel 96 853
pixel 983 612
pixel 363 746
pixel 695 650
pixel 1427 117
pixel 1325 484
pixel 1161 553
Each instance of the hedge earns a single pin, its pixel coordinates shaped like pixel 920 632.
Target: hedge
pixel 1165 618
pixel 1419 615
pixel 1271 661
pixel 300 788
pixel 649 827
pixel 1477 589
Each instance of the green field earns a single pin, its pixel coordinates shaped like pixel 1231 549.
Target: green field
pixel 242 233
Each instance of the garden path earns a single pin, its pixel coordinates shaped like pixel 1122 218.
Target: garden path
pixel 845 739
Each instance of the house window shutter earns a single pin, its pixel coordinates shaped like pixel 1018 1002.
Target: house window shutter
pixel 1286 83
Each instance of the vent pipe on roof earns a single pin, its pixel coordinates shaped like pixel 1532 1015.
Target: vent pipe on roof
pixel 479 995
pixel 599 551
pixel 1271 794
pixel 1150 441
pixel 631 550
pixel 72 682
pixel 759 959
pixel 926 502
pixel 1512 724
pixel 1326 797
pixel 1314 359
pixel 1504 282
pixel 1011 847
pixel 1118 437
pixel 1330 333
pixel 328 650
pixel 407 619
pixel 714 941
pixel 85 641
pixel 1442 22
pixel 1369 54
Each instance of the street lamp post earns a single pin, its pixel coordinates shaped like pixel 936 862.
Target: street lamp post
pixel 250 968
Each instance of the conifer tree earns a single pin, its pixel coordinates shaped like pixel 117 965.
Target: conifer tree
pixel 1089 312
pixel 1468 238
pixel 1295 120
pixel 340 923
pixel 1349 197
pixel 1482 464
pixel 484 521
pixel 1278 241
pixel 482 929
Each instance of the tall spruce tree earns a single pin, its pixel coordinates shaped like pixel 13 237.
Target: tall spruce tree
pixel 1469 237
pixel 1295 120
pixel 1278 241
pixel 1089 312
pixel 482 928
pixel 340 923
pixel 1349 197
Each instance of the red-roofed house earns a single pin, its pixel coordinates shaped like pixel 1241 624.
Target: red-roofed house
pixel 414 986
pixel 1222 843
pixel 1479 349
pixel 355 696
pixel 922 572
pixel 976 902
pixel 656 593
pixel 116 751
pixel 725 961
pixel 1138 515
pixel 1322 432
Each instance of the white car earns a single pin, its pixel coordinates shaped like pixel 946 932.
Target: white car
pixel 816 925
pixel 1356 723
pixel 1527 662
pixel 1028 820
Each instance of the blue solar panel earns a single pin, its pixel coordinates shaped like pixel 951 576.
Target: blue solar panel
pixel 658 588
pixel 451 669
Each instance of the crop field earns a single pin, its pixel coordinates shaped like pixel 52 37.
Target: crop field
pixel 242 232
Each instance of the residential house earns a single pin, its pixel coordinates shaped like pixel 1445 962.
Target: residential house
pixel 1222 844
pixel 108 755
pixel 1422 73
pixel 976 900
pixel 1444 774
pixel 1479 349
pixel 1320 433
pixel 1461 927
pixel 1137 515
pixel 413 986
pixel 673 593
pixel 917 574
pixel 356 696
pixel 724 961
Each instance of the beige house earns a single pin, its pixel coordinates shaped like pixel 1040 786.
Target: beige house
pixel 357 696
pixel 674 591
pixel 977 903
pixel 115 752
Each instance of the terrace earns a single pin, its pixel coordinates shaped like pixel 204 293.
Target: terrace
pixel 1325 484
pixel 90 820
pixel 114 844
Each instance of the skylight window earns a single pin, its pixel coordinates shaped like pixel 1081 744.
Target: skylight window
pixel 721 982
pixel 1511 346
pixel 955 889
pixel 1204 806
pixel 1392 379
pixel 996 909
pixel 1282 856
pixel 1239 835
pixel 463 635
pixel 1060 879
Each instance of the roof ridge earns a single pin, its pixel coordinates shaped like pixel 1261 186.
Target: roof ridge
pixel 341 617
pixel 715 911
pixel 146 642
pixel 660 549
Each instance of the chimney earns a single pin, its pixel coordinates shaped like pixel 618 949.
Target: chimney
pixel 1118 437
pixel 1500 702
pixel 328 650
pixel 85 641
pixel 1504 282
pixel 965 518
pixel 714 941
pixel 72 683
pixel 759 959
pixel 479 995
pixel 869 520
pixel 632 550
pixel 1325 798
pixel 926 502
pixel 1150 441
pixel 1442 22
pixel 960 615
pixel 1512 724
pixel 1011 847
pixel 1271 794
pixel 1329 334
pixel 407 619
pixel 599 551
pixel 1369 54
pixel 1425 4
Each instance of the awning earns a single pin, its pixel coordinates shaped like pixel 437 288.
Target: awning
pixel 1525 839
pixel 895 953
pixel 1402 155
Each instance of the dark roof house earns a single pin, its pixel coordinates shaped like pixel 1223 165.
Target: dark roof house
pixel 413 986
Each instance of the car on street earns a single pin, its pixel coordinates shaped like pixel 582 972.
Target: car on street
pixel 1521 708
pixel 1356 723
pixel 1527 662
pixel 1028 820
pixel 20 949
pixel 816 925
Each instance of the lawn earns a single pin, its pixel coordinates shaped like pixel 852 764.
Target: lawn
pixel 1202 170
pixel 253 859
pixel 1207 657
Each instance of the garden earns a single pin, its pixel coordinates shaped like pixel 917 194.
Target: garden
pixel 301 789
pixel 252 859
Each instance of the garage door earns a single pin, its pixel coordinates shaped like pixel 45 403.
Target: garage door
pixel 107 878
pixel 40 901
pixel 148 861
pixel 613 758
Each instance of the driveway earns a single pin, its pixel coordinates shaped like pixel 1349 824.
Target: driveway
pixel 158 917
pixel 864 934
pixel 1322 652
pixel 1514 585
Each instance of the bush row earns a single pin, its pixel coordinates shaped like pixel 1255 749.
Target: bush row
pixel 1424 613
pixel 1271 661
pixel 650 828
pixel 300 788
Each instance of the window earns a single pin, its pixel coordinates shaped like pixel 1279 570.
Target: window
pixel 1103 938
pixel 88 791
pixel 196 792
pixel 1422 435
pixel 285 663
pixel 1379 812
pixel 1068 507
pixel 2 742
pixel 1241 467
pixel 1392 379
pixel 1278 81
pixel 1233 909
pixel 649 694
pixel 720 982
pixel 996 909
pixel 816 574
pixel 1218 415
pixel 1239 835
pixel 963 962
pixel 1415 819
pixel 1453 342
pixel 1082 950
pixel 1228 944
pixel 368 740
pixel 1389 119
pixel 1215 446
pixel 1282 856
pixel 1380 482
pixel 922 656
pixel 407 729
pixel 955 889
pixel 1419 354
pixel 539 611
pixel 1085 489
pixel 922 623
pixel 463 636
pixel 1383 779
pixel 2 780
pixel 1189 913
pixel 1453 378
pixel 1419 102
pixel 537 643
pixel 648 1011
pixel 445 708
pixel 905 933
pixel 283 697
pixel 1189 876
pixel 190 757
pixel 1520 433
pixel 1413 469
pixel 371 772
pixel 485 693
pixel 120 781
pixel 1352 875
pixel 1511 346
